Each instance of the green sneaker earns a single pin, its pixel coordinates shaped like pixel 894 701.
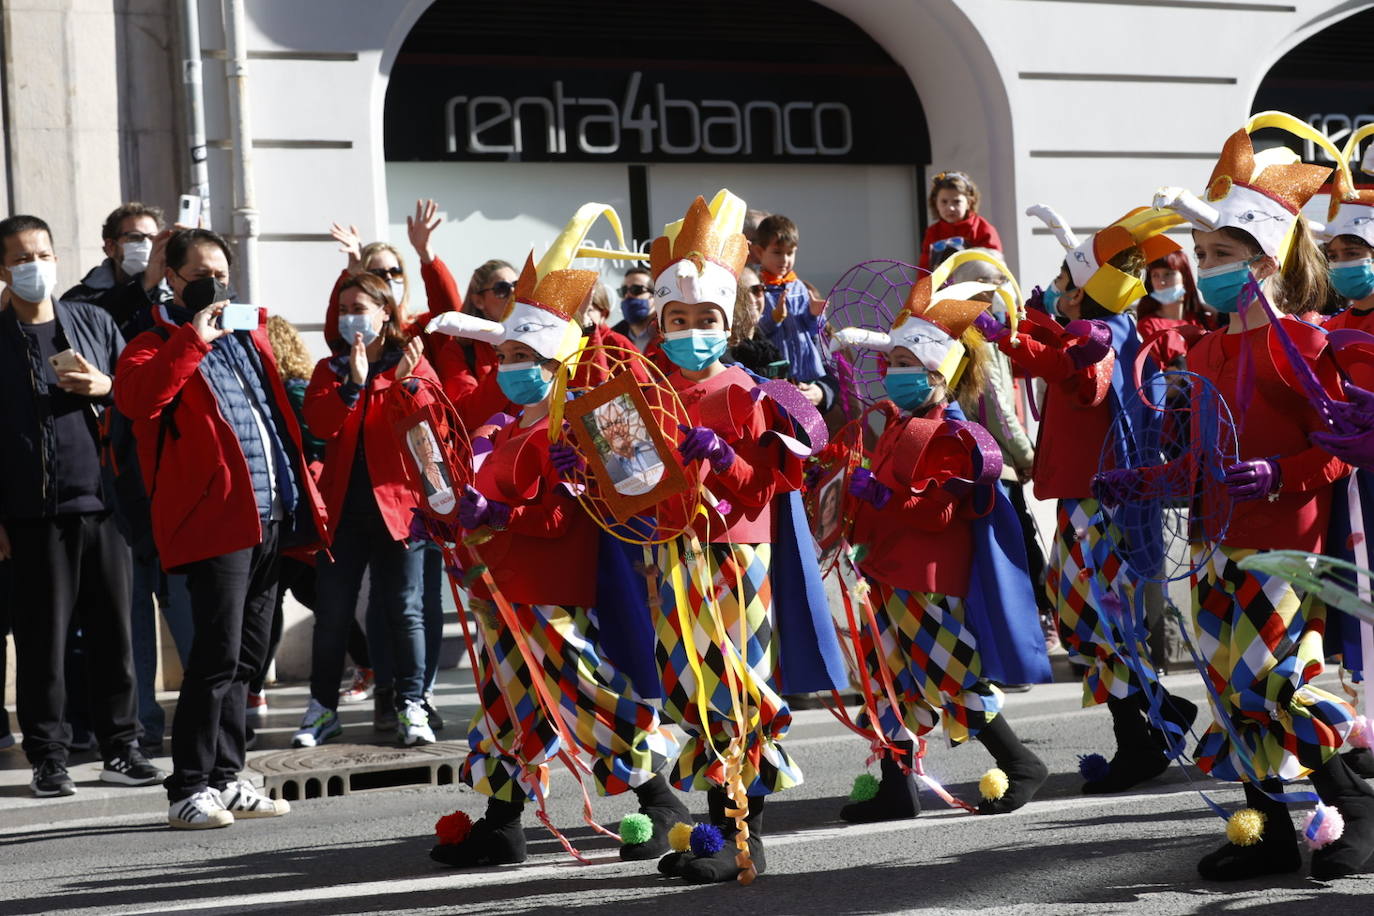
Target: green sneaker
pixel 317 726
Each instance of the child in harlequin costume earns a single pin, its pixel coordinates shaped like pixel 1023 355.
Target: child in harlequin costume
pixel 933 480
pixel 536 526
pixel 1349 237
pixel 1087 366
pixel 1261 641
pixel 753 526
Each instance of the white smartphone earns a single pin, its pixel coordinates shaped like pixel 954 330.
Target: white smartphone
pixel 239 316
pixel 65 361
pixel 188 211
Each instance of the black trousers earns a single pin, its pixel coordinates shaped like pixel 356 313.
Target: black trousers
pixel 232 597
pixel 65 568
pixel 4 631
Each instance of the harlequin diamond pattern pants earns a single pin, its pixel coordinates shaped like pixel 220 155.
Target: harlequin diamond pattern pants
pixel 1263 645
pixel 933 662
pixel 511 740
pixel 1093 638
pixel 738 580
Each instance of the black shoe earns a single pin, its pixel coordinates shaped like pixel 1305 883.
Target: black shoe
pixel 1360 761
pixel 897 796
pixel 1276 853
pixel 1175 710
pixel 128 767
pixel 50 779
pixel 1354 798
pixel 436 721
pixel 1025 771
pixel 660 805
pixel 721 865
pixel 496 839
pixel 384 709
pixel 1139 755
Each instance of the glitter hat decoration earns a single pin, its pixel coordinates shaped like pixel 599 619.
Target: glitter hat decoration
pixel 1352 210
pixel 699 257
pixel 1088 260
pixel 542 313
pixel 929 325
pixel 1261 193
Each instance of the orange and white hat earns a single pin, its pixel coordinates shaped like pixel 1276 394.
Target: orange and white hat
pixel 1352 210
pixel 699 257
pixel 1088 260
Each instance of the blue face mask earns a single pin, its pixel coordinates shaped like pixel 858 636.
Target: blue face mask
pixel 1353 279
pixel 356 324
pixel 523 383
pixel 909 386
pixel 1220 286
pixel 695 350
pixel 635 310
pixel 1049 297
pixel 1167 295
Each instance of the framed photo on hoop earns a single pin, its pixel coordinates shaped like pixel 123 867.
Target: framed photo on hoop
pixel 627 453
pixel 824 503
pixel 428 470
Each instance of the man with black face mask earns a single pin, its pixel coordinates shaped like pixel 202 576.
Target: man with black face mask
pixel 221 456
pixel 637 308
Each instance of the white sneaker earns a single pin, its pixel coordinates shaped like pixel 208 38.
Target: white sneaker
pixel 318 725
pixel 242 799
pixel 202 811
pixel 412 725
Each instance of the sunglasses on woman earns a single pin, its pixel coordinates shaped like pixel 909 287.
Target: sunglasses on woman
pixel 394 273
pixel 635 289
pixel 501 288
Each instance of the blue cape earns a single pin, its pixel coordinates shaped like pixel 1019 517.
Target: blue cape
pixel 1137 444
pixel 622 614
pixel 1343 630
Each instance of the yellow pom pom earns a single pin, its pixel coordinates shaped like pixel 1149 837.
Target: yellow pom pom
pixel 1245 827
pixel 680 837
pixel 994 784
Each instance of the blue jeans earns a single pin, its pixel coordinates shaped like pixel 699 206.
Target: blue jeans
pixel 396 569
pixel 147 577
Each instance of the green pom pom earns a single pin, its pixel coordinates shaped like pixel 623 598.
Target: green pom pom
pixel 636 829
pixel 865 787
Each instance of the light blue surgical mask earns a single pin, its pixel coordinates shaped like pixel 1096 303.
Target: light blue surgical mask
pixel 1353 279
pixel 1168 295
pixel 694 350
pixel 1220 286
pixel 523 383
pixel 908 386
pixel 356 324
pixel 1049 297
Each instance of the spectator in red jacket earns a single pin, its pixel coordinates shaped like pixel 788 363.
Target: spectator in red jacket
pixel 466 366
pixel 225 471
pixel 370 504
pixel 955 222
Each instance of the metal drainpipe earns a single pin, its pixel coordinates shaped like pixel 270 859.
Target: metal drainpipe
pixel 195 106
pixel 241 139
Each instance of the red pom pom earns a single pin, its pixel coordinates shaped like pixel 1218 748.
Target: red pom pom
pixel 452 829
pixel 1356 538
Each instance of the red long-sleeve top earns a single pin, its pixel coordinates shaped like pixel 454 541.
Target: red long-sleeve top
pixel 1352 318
pixel 762 468
pixel 973 229
pixel 547 552
pixel 922 538
pixel 1275 425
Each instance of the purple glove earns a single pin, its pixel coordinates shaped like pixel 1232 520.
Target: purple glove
pixel 1357 449
pixel 991 329
pixel 702 443
pixel 475 511
pixel 1036 300
pixel 863 485
pixel 1253 479
pixel 1097 345
pixel 1119 485
pixel 1356 413
pixel 565 459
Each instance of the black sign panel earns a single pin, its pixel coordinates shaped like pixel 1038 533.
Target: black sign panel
pixel 447 107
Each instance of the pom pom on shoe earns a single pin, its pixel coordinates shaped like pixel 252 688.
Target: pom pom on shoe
pixel 994 784
pixel 452 829
pixel 1093 767
pixel 865 787
pixel 1361 734
pixel 1245 827
pixel 706 841
pixel 680 837
pixel 1323 826
pixel 635 829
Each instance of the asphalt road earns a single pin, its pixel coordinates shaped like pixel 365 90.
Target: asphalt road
pixel 1064 854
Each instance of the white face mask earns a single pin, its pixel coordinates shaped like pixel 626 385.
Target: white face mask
pixel 33 281
pixel 136 256
pixel 398 290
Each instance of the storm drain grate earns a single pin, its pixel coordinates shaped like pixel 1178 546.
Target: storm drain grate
pixel 343 769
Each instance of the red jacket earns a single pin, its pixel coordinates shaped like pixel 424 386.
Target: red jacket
pixel 331 419
pixel 593 369
pixel 922 539
pixel 471 386
pixel 547 552
pixel 202 500
pixel 973 229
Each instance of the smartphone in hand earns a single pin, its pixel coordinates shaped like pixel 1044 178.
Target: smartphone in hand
pixel 238 316
pixel 66 361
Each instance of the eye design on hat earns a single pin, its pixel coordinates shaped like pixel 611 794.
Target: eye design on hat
pixel 1256 216
pixel 531 327
pixel 662 292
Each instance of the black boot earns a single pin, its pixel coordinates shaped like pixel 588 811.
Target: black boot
pixel 1176 710
pixel 1025 772
pixel 721 865
pixel 1276 853
pixel 1139 756
pixel 1360 761
pixel 896 798
pixel 673 863
pixel 496 839
pixel 1353 797
pixel 660 804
